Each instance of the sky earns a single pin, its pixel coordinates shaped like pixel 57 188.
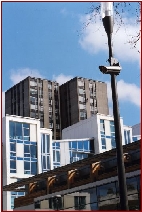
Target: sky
pixel 61 40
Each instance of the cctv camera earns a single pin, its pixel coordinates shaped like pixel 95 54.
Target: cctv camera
pixel 110 69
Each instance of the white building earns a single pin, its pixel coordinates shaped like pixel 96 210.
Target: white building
pixel 24 152
pixel 136 132
pixel 29 150
pixel 101 128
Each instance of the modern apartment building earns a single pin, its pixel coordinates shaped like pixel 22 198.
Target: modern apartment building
pixel 29 150
pixel 101 128
pixel 80 98
pixel 36 98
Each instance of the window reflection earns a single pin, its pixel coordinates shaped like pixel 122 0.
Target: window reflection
pixel 45 152
pixel 106 191
pixel 98 198
pixel 19 130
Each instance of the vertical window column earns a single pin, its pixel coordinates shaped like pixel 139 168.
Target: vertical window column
pixel 45 152
pixel 102 132
pixel 112 131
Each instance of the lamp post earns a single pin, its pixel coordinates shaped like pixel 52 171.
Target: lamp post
pixel 113 70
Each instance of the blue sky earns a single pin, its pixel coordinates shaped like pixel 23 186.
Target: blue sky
pixel 49 40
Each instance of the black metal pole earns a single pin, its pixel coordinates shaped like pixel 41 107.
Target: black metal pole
pixel 118 138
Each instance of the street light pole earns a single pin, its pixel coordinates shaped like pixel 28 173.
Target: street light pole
pixel 107 18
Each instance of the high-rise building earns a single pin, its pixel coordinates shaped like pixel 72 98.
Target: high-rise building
pixel 36 98
pixel 80 98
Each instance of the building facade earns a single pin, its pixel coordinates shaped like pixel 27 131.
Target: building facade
pixel 136 132
pixel 36 98
pixel 29 150
pixel 80 98
pixel 24 152
pixel 101 128
pixel 89 184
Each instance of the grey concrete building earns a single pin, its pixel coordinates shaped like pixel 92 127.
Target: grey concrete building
pixel 80 98
pixel 36 98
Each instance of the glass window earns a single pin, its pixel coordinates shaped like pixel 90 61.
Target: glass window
pixel 48 143
pixel 26 132
pixel 81 91
pixel 131 185
pixel 86 145
pixel 44 162
pixel 12 164
pixel 45 151
pixel 58 156
pixel 26 150
pixel 80 145
pixel 48 162
pixel 106 191
pixel 103 143
pixel 34 168
pixel 112 128
pixel 80 202
pixel 27 167
pixel 33 151
pixel 18 130
pixel 102 126
pixel 127 136
pixel 74 145
pixel 12 129
pixel 12 202
pixel 13 147
pixel 43 143
pixel 113 143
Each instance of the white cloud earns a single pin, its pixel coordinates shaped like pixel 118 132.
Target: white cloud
pixel 94 38
pixel 61 78
pixel 64 12
pixel 17 75
pixel 127 92
pixel 3 103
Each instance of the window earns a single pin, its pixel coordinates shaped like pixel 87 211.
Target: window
pixel 30 158
pixel 33 91
pixel 80 202
pixel 113 143
pixel 30 167
pixel 81 91
pixel 77 149
pixel 103 143
pixel 82 107
pixel 106 191
pixel 13 165
pixel 56 154
pixel 112 131
pixel 15 195
pixel 112 128
pixel 30 150
pixel 83 114
pixel 45 152
pixel 80 83
pixel 102 126
pixel 19 130
pixel 33 100
pixel 13 149
pixel 127 136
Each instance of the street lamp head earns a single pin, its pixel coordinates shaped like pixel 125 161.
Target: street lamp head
pixel 107 16
pixel 106 9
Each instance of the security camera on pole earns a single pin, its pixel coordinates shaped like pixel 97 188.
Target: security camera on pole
pixel 113 70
